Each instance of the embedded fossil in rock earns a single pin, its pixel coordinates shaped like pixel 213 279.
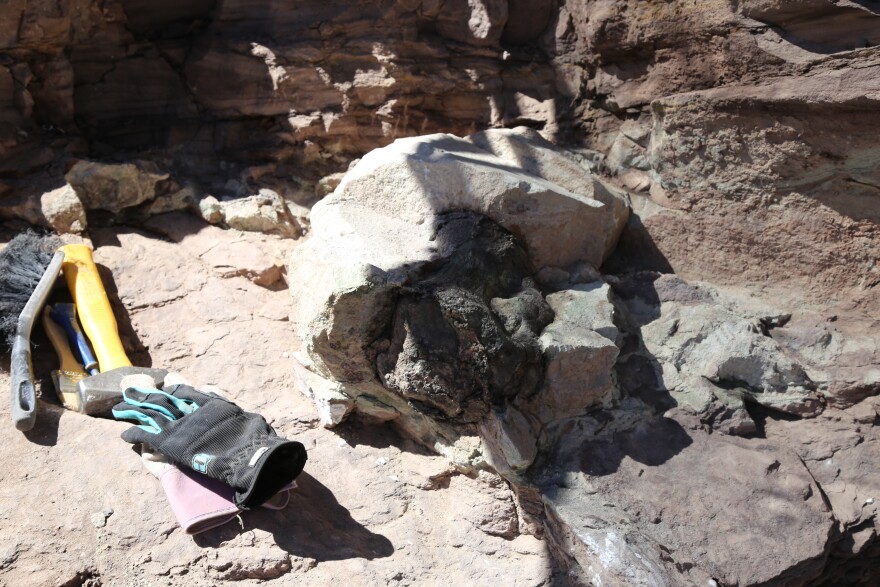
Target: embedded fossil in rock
pixel 464 334
pixel 462 279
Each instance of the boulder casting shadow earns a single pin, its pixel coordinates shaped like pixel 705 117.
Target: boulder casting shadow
pixel 378 238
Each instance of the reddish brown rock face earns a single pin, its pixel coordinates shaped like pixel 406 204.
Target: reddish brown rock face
pixel 246 80
pixel 782 147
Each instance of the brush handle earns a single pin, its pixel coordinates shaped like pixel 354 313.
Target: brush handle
pixel 65 315
pixel 93 306
pixel 24 397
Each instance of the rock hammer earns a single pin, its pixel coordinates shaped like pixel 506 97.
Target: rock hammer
pixel 99 393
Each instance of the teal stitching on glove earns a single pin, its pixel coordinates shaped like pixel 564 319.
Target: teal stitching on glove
pixel 147 423
pixel 186 406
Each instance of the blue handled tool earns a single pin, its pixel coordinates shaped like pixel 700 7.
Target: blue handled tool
pixel 65 315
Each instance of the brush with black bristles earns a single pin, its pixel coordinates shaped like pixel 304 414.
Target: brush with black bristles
pixel 29 266
pixel 22 264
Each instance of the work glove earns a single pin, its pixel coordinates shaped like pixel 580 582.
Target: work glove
pixel 213 436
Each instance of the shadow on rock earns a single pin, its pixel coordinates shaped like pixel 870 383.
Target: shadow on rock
pixel 584 445
pixel 45 431
pixel 820 27
pixel 635 427
pixel 361 431
pixel 650 443
pixel 313 525
pixel 636 250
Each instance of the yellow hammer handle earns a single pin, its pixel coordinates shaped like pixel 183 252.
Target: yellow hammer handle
pixel 93 306
pixel 58 338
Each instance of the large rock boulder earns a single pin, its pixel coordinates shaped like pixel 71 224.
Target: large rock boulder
pixel 114 186
pixel 415 297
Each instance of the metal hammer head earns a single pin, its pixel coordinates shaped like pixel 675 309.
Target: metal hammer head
pixel 99 393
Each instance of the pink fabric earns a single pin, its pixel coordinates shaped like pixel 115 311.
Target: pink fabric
pixel 280 499
pixel 199 503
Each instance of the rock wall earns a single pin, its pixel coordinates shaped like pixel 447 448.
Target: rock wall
pixel 745 124
pixel 745 133
pixel 219 87
pixel 749 125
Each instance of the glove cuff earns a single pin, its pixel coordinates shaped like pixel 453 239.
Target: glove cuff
pixel 263 471
pixel 199 503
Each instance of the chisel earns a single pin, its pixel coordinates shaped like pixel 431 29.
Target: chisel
pixel 65 316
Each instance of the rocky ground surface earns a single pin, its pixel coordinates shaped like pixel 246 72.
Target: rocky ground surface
pixel 78 508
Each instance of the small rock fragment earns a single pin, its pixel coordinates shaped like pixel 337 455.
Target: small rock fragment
pixel 63 210
pixel 211 210
pixel 181 199
pixel 99 520
pixel 327 184
pixel 245 259
pixel 264 212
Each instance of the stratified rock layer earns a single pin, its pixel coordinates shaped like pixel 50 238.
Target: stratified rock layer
pixel 218 90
